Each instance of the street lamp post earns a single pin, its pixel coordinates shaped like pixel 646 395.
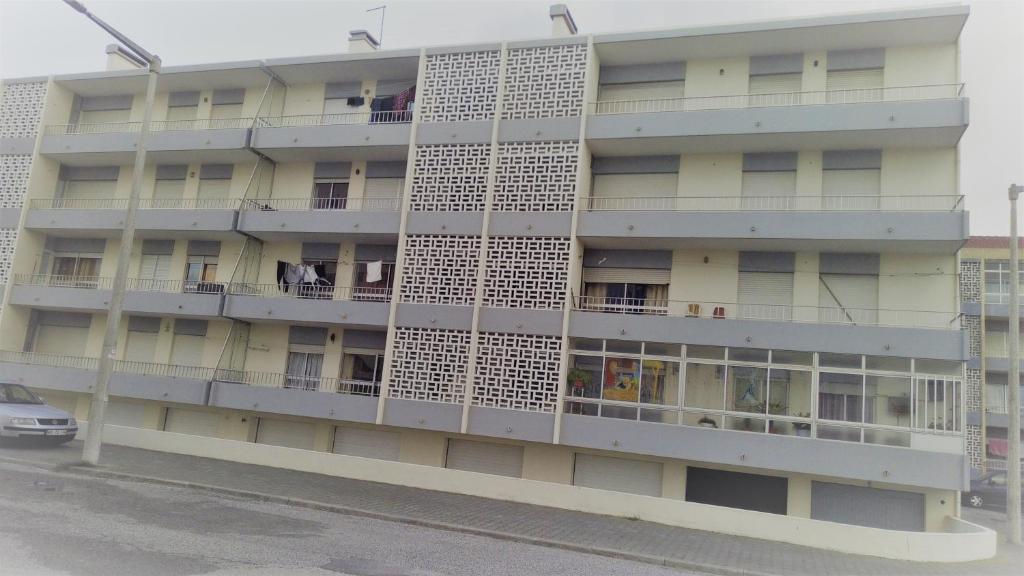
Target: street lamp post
pixel 1013 430
pixel 98 408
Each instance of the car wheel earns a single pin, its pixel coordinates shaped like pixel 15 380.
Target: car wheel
pixel 976 501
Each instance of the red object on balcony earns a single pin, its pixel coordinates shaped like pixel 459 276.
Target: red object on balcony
pixel 998 447
pixel 719 312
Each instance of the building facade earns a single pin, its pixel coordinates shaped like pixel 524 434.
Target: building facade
pixel 985 290
pixel 638 274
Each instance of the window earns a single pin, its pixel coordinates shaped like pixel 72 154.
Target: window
pixel 75 270
pixel 303 370
pixel 330 194
pixel 201 274
pixel 182 113
pixel 769 181
pixel 848 298
pixel 626 297
pixel 380 290
pixel 997 281
pixel 214 188
pixel 766 295
pixel 103 116
pixel 849 86
pixel 642 91
pixel 361 372
pixel 225 111
pixel 154 270
pixel 775 89
pixel 89 189
pixel 624 382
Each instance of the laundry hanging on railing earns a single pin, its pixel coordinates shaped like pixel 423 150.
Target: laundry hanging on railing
pixel 374 271
pixel 303 277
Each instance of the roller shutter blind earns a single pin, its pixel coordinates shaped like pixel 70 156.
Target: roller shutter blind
pixel 63 340
pixel 856 85
pixel 635 185
pixel 121 413
pixel 224 111
pixel 618 474
pixel 285 433
pixel 485 457
pixel 194 422
pixel 210 189
pixel 168 190
pixel 775 184
pixel 641 90
pixel 865 184
pixel 338 106
pixel 765 295
pixel 858 293
pixel 775 83
pixel 626 275
pixel 862 506
pixel 379 444
pixel 155 267
pixel 384 187
pixel 181 113
pixel 187 350
pixel 89 189
pixel 140 346
pixel 737 490
pixel 103 116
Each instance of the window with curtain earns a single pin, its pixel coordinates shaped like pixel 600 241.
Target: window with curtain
pixel 633 298
pixel 380 290
pixel 75 270
pixel 303 369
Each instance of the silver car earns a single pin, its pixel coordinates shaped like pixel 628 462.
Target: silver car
pixel 25 415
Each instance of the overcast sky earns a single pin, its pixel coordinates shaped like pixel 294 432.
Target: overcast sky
pixel 41 37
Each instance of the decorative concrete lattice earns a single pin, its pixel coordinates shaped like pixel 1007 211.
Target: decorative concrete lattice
pixel 14 169
pixel 975 453
pixel 429 364
pixel 8 238
pixel 544 82
pixel 459 87
pixel 21 108
pixel 973 393
pixel 526 272
pixel 970 281
pixel 440 269
pixel 972 324
pixel 536 176
pixel 450 178
pixel 517 371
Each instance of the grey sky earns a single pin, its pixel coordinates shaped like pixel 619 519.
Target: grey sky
pixel 41 37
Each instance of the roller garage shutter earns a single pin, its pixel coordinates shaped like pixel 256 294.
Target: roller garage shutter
pixel 194 422
pixel 618 474
pixel 121 413
pixel 485 457
pixel 862 506
pixel 737 490
pixel 365 443
pixel 285 433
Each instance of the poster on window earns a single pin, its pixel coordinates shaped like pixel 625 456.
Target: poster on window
pixel 622 379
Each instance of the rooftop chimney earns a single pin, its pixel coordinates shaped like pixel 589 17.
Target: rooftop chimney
pixel 562 24
pixel 361 41
pixel 120 59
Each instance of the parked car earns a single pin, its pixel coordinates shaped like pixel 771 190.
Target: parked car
pixel 24 415
pixel 988 491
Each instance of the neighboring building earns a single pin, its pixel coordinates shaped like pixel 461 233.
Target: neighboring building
pixel 985 291
pixel 711 266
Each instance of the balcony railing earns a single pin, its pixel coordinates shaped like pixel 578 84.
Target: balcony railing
pixel 299 382
pixel 51 360
pixel 144 204
pixel 999 464
pixel 310 292
pixel 1000 298
pixel 174 286
pixel 120 366
pixel 346 118
pixel 322 204
pixel 923 203
pixel 771 312
pixel 817 97
pixel 155 126
pixel 63 281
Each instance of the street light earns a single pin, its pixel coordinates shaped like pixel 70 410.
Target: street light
pixel 98 408
pixel 1013 430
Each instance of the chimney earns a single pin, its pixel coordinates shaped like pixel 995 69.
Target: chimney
pixel 120 59
pixel 361 41
pixel 562 24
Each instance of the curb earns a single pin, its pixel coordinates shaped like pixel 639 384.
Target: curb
pixel 85 470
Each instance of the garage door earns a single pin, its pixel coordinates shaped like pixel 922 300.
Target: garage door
pixel 194 422
pixel 380 444
pixel 485 457
pixel 121 413
pixel 863 506
pixel 285 433
pixel 618 474
pixel 737 490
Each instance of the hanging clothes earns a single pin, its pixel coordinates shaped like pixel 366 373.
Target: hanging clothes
pixel 403 99
pixel 308 274
pixel 374 271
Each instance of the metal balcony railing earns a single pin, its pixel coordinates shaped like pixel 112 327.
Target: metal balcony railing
pixel 936 203
pixel 63 281
pixel 120 366
pixel 816 97
pixel 144 204
pixel 323 204
pixel 770 312
pixel 346 118
pixel 299 382
pixel 154 126
pixel 51 360
pixel 311 292
pixel 174 286
pixel 79 204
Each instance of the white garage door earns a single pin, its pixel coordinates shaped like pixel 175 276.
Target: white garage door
pixel 485 457
pixel 618 474
pixel 121 413
pixel 285 433
pixel 380 444
pixel 194 422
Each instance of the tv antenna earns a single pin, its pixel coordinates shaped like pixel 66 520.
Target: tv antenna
pixel 380 37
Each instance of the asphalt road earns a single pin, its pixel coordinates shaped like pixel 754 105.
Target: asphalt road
pixel 56 524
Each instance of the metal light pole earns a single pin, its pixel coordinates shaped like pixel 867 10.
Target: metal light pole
pixel 1013 430
pixel 98 408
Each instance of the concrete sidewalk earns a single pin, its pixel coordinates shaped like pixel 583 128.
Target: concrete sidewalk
pixel 622 538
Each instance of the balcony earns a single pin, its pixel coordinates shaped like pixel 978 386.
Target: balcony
pixel 378 135
pixel 323 305
pixel 213 217
pixel 142 380
pixel 144 296
pixel 906 333
pixel 361 219
pixel 867 223
pixel 314 397
pixel 212 140
pixel 930 115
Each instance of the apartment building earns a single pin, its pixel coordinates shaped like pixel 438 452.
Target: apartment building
pixel 706 277
pixel 985 292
